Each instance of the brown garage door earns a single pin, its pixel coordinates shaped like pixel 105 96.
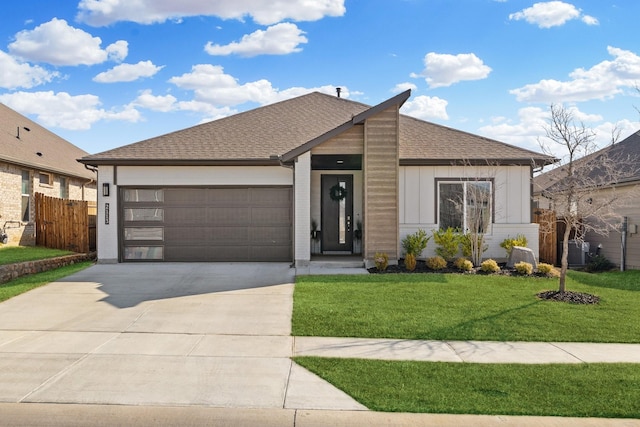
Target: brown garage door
pixel 206 224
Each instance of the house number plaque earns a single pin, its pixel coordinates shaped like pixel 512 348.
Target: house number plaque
pixel 106 213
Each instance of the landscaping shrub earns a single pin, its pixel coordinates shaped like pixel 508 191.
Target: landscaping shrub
pixel 436 263
pixel 599 263
pixel 463 264
pixel 509 243
pixel 410 262
pixel 381 260
pixel 415 243
pixel 548 270
pixel 448 242
pixel 524 268
pixel 489 266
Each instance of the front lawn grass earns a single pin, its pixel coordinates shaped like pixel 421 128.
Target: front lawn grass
pixel 467 307
pixel 26 283
pixel 16 254
pixel 586 390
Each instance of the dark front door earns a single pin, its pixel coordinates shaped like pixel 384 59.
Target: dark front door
pixel 337 215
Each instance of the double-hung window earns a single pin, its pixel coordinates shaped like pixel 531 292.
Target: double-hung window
pixel 465 205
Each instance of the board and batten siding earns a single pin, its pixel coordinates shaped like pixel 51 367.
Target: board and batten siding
pixel 511 210
pixel 380 164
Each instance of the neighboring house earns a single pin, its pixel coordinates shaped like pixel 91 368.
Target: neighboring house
pixel 34 160
pixel 248 187
pixel 626 155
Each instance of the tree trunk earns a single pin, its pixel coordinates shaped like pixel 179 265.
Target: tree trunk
pixel 564 263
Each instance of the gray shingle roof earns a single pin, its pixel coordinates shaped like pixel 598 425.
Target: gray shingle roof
pixel 57 155
pixel 273 130
pixel 625 153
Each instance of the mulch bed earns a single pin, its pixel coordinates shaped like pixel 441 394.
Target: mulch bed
pixel 569 296
pixel 421 267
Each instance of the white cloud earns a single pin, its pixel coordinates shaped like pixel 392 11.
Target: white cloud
pixel 401 87
pixel 551 14
pixel 65 111
pixel 56 42
pixel 210 84
pixel 105 12
pixel 444 69
pixel 280 39
pixel 167 103
pixel 14 74
pixel 117 51
pixel 601 81
pixel 155 102
pixel 128 72
pixel 426 108
pixel 528 131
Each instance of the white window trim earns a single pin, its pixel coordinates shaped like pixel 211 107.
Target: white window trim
pixel 464 182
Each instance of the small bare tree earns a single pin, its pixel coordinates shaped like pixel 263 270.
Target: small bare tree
pixel 582 190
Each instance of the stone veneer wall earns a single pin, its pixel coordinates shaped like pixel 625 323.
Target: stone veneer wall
pixel 13 271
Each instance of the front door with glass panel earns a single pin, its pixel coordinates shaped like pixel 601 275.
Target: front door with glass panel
pixel 337 213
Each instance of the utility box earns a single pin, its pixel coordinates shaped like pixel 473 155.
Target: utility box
pixel 578 252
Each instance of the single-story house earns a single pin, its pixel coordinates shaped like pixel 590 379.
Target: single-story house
pixel 35 160
pixel 252 186
pixel 625 156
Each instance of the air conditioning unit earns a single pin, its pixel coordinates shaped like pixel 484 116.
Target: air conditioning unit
pixel 578 252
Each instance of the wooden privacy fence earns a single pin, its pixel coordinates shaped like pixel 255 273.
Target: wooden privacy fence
pixel 63 224
pixel 547 235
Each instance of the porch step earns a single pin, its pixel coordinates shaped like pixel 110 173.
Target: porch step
pixel 338 264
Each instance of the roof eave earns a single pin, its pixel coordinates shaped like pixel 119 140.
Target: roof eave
pixel 43 168
pixel 476 162
pixel 179 162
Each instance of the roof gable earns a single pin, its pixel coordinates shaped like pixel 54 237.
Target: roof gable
pixel 26 143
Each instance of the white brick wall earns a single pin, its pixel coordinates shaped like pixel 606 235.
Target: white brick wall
pixel 107 234
pixel 302 211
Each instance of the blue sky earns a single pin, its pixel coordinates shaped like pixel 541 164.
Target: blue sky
pixel 105 73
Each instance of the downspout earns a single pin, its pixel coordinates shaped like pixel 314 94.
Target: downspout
pixel 623 251
pixel 94 170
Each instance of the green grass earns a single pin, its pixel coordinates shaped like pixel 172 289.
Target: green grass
pixel 467 307
pixel 15 254
pixel 26 283
pixel 586 390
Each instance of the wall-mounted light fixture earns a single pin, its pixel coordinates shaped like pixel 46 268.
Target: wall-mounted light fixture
pixel 105 189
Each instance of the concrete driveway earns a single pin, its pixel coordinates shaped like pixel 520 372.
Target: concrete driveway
pixel 160 334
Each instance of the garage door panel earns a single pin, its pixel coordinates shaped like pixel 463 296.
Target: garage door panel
pixel 207 253
pixel 274 236
pixel 266 216
pixel 274 253
pixel 222 216
pixel 270 196
pixel 209 224
pixel 207 235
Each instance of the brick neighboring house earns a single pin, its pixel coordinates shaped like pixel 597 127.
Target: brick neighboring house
pixel 35 160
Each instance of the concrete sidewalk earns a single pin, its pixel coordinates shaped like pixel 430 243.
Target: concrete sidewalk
pixel 466 351
pixel 23 414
